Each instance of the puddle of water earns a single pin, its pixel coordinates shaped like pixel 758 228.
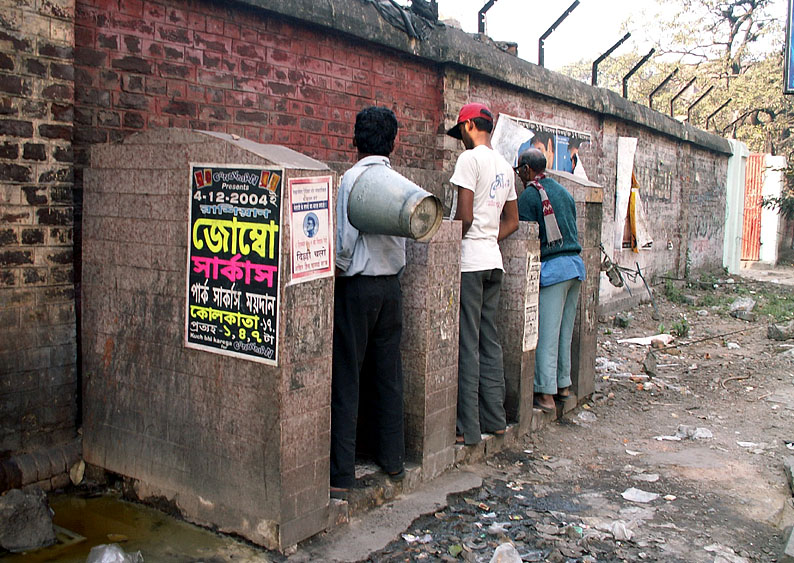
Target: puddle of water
pixel 159 537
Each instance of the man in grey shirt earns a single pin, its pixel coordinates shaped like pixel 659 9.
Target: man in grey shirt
pixel 367 320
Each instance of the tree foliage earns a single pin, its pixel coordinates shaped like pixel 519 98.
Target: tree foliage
pixel 733 46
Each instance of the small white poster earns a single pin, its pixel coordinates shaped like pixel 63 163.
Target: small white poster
pixel 310 213
pixel 531 303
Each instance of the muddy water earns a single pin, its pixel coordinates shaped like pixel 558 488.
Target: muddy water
pixel 159 537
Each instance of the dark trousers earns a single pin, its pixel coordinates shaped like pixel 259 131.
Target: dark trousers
pixel 367 323
pixel 481 378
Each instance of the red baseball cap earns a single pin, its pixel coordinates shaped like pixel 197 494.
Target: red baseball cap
pixel 470 111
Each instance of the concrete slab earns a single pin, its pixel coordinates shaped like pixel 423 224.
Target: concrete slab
pixel 373 530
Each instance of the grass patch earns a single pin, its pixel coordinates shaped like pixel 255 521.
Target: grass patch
pixel 779 307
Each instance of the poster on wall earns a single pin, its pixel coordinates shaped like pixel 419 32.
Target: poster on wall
pixel 233 261
pixel 531 300
pixel 310 210
pixel 561 146
pixel 788 71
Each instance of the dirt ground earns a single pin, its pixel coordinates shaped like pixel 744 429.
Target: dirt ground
pixel 724 498
pixel 702 438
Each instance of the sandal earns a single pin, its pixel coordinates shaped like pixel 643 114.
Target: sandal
pixel 459 440
pixel 339 493
pixel 562 394
pixel 397 475
pixel 545 408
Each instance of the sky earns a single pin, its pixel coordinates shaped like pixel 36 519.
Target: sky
pixel 590 30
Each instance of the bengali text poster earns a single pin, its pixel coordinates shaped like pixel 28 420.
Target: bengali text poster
pixel 233 261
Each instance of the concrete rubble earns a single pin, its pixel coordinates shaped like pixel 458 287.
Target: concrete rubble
pixel 27 521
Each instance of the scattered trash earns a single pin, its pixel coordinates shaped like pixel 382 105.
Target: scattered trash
pixel 648 340
pixel 669 498
pixel 693 433
pixel 743 304
pixel 506 553
pixel 733 346
pixel 647 477
pixel 606 365
pixel 586 416
pixel 498 528
pixel 410 538
pixel 112 553
pixel 620 531
pixel 638 495
pixel 702 313
pixel 725 554
pixel 76 472
pixel 667 438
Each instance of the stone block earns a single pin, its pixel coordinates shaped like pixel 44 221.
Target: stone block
pixel 27 521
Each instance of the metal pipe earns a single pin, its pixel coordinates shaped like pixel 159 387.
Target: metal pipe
pixel 716 111
pixel 696 102
pixel 481 16
pixel 551 30
pixel 633 70
pixel 594 80
pixel 681 91
pixel 660 86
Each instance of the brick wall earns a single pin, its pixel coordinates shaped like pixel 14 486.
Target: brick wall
pixel 682 187
pixel 222 67
pixel 38 384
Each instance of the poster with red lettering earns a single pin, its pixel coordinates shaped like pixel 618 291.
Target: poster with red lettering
pixel 233 258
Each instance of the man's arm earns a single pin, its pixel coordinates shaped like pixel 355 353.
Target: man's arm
pixel 465 209
pixel 508 223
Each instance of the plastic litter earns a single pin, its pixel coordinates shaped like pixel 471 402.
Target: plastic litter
pixel 648 340
pixel 620 531
pixel 724 554
pixel 112 553
pixel 506 553
pixel 638 495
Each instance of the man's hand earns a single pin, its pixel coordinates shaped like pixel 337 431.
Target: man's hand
pixel 465 209
pixel 508 223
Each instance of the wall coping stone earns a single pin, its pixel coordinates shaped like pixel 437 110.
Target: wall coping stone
pixel 449 46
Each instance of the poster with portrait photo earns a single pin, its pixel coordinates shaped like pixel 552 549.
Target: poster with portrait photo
pixel 312 244
pixel 560 145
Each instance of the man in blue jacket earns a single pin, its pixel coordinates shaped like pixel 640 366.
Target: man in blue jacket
pixel 561 274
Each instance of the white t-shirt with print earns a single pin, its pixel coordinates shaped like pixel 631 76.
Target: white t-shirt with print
pixel 485 172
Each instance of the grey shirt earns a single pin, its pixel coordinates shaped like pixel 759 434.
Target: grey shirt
pixel 360 253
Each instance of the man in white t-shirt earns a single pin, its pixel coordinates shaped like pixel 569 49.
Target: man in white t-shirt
pixel 487 207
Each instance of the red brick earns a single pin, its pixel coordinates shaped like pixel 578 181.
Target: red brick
pixel 176 17
pixel 152 11
pixel 196 21
pixel 132 7
pixel 177 89
pixel 214 25
pixel 173 34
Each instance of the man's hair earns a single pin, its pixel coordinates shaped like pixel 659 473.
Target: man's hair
pixel 483 124
pixel 533 158
pixel 375 130
pixel 542 137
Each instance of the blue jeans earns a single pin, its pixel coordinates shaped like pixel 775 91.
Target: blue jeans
pixel 556 316
pixel 481 378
